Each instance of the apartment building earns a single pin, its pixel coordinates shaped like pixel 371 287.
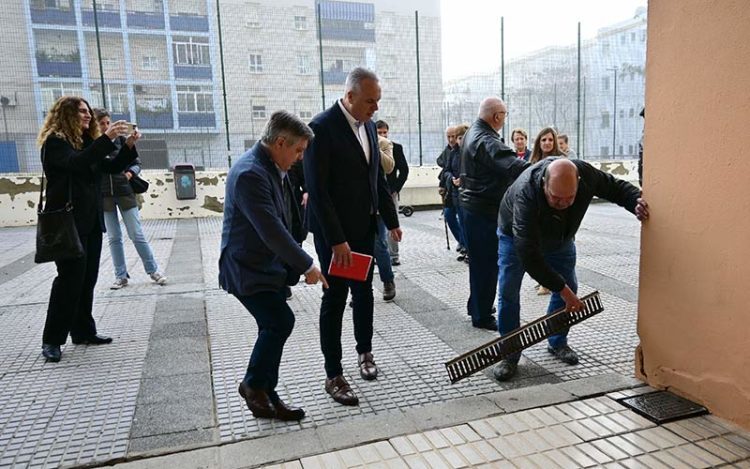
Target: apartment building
pixel 159 63
pixel 541 89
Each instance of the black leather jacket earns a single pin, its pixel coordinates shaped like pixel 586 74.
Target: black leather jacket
pixel 63 164
pixel 537 228
pixel 488 167
pixel 117 185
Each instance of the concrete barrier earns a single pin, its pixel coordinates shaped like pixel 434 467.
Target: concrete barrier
pixel 19 193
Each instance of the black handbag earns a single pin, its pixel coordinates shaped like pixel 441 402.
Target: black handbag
pixel 138 184
pixel 56 234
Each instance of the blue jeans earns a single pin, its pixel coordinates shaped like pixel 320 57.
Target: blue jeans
pixel 132 220
pixel 453 218
pixel 481 242
pixel 275 323
pixel 510 275
pixel 382 255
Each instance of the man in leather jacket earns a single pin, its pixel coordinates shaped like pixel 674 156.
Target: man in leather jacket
pixel 538 220
pixel 488 167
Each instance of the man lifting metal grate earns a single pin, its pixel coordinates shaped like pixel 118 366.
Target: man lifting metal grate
pixel 539 216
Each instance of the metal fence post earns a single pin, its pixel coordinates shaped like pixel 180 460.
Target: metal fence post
pixel 99 54
pixel 419 88
pixel 223 83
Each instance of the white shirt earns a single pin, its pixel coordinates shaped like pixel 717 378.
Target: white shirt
pixel 359 131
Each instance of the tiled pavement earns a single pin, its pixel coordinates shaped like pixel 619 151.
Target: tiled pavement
pixel 103 404
pixel 596 432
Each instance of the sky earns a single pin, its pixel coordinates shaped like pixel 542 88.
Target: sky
pixel 471 28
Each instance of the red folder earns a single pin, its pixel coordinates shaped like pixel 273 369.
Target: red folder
pixel 358 271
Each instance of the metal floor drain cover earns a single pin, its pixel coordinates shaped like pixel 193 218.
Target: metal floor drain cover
pixel 663 406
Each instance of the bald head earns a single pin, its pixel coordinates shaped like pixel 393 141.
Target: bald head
pixel 492 110
pixel 450 135
pixel 561 183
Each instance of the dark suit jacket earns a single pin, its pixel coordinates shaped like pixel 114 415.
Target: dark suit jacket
pixel 397 178
pixel 83 168
pixel 258 251
pixel 344 191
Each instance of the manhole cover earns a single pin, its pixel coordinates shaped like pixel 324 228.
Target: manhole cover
pixel 663 406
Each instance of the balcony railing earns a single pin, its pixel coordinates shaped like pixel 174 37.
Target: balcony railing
pixel 53 68
pixel 355 33
pixel 53 16
pixel 155 120
pixel 197 119
pixel 188 23
pixel 193 72
pixel 334 77
pixel 145 20
pixel 106 19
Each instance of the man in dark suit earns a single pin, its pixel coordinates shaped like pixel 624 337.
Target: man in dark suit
pixel 260 255
pixel 396 180
pixel 346 188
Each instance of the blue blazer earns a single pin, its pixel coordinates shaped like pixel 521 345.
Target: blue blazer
pixel 344 191
pixel 258 251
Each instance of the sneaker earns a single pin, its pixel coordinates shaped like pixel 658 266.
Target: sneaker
pixel 389 291
pixel 119 283
pixel 505 370
pixel 395 262
pixel 460 248
pixel 565 354
pixel 158 278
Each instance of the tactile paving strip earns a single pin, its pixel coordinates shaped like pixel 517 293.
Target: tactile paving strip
pixel 80 410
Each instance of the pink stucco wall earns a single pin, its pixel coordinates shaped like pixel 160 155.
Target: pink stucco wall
pixel 694 309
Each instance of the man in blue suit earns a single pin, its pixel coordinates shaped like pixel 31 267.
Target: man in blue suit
pixel 347 187
pixel 260 255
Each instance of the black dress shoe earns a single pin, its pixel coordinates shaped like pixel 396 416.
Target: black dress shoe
pixel 51 352
pixel 284 412
pixel 488 323
pixel 257 401
pixel 93 340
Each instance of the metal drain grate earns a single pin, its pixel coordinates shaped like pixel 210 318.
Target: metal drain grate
pixel 532 333
pixel 663 406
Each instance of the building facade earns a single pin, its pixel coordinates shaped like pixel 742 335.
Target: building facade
pixel 158 63
pixel 541 89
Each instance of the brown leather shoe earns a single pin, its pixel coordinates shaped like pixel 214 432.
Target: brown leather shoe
pixel 284 412
pixel 257 401
pixel 340 391
pixel 368 370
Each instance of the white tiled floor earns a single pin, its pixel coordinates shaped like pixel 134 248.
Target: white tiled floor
pixel 596 432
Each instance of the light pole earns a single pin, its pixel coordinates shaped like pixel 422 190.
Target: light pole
pixel 614 114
